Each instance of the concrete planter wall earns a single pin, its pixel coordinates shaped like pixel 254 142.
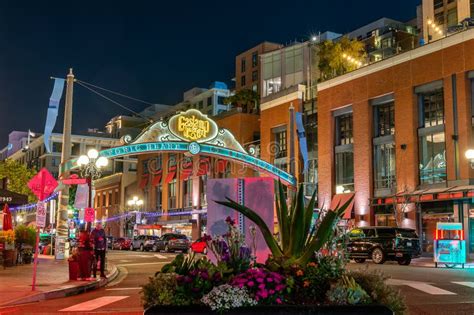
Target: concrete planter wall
pixel 276 310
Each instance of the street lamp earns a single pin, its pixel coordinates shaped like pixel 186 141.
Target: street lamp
pixel 91 165
pixel 135 204
pixel 470 156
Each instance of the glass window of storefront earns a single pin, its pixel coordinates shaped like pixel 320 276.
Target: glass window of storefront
pixel 344 153
pixel 432 213
pixel 188 193
pixel 432 151
pixel 172 194
pixel 384 166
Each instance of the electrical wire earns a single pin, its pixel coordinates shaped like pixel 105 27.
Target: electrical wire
pixel 113 101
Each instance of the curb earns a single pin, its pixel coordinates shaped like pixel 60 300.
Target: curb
pixel 75 290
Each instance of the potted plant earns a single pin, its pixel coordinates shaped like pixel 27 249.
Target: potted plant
pixel 27 256
pixel 9 253
pixel 25 239
pixel 305 274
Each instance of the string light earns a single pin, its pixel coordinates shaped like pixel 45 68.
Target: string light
pixel 31 206
pixel 352 60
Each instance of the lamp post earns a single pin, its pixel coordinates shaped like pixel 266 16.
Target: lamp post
pixel 135 204
pixel 470 156
pixel 91 165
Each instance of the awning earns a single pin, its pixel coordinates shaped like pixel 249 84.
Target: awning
pixel 171 175
pixel 427 195
pixel 203 167
pixel 221 166
pixel 143 182
pixel 157 178
pixel 341 199
pixel 186 173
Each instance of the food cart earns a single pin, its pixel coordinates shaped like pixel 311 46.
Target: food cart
pixel 449 244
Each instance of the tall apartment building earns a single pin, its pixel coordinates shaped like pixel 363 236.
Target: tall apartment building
pixel 447 15
pixel 395 136
pixel 247 66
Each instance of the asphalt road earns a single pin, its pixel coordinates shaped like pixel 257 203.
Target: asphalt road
pixel 427 290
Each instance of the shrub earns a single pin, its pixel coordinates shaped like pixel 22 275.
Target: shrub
pixel 25 235
pixel 162 290
pixel 373 283
pixel 226 297
pixel 347 291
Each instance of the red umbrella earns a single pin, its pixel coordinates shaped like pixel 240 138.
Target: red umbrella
pixel 7 218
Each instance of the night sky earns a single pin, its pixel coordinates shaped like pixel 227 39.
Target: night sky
pixel 152 50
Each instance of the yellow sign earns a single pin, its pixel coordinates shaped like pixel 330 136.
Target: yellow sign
pixel 193 128
pixel 192 125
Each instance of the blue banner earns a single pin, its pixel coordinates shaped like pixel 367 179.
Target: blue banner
pixel 302 139
pixel 53 111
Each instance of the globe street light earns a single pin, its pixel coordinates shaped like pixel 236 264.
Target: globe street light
pixel 470 156
pixel 91 165
pixel 135 204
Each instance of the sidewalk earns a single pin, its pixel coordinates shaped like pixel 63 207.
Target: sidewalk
pixel 52 281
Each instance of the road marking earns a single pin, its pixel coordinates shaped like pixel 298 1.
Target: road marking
pixel 160 256
pixel 421 286
pixel 143 264
pixel 465 283
pixel 125 260
pixel 122 289
pixel 93 304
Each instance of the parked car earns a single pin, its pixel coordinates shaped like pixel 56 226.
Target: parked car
pixel 110 242
pixel 122 243
pixel 199 246
pixel 171 242
pixel 383 243
pixel 143 242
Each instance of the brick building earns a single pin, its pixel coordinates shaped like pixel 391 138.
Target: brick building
pixel 395 132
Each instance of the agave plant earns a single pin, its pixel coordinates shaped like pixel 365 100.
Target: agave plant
pixel 298 241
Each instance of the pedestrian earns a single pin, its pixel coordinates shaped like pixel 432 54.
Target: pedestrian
pixel 100 245
pixel 85 255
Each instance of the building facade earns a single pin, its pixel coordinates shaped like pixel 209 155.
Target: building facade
pixel 395 134
pixel 247 66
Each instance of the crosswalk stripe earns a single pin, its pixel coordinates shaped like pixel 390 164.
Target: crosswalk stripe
pixel 143 264
pixel 160 256
pixel 465 283
pixel 93 304
pixel 123 289
pixel 421 286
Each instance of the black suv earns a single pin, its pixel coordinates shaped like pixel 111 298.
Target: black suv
pixel 383 243
pixel 171 242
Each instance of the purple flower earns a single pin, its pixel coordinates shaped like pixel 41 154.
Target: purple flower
pixel 187 279
pixel 205 275
pixel 280 287
pixel 259 280
pixel 229 221
pixel 261 286
pixel 244 252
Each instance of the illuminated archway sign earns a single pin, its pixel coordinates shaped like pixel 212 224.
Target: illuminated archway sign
pixel 192 132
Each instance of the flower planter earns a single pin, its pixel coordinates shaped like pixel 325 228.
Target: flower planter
pixel 275 310
pixel 9 257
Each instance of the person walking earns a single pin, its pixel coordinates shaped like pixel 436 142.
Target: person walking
pixel 100 245
pixel 85 249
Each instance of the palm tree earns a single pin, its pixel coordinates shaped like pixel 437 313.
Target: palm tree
pixel 245 99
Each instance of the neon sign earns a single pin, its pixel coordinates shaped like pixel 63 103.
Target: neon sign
pixel 192 125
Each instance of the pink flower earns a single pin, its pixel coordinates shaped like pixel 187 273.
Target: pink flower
pixel 271 291
pixel 280 287
pixel 250 283
pixel 259 280
pixel 261 286
pixel 264 294
pixel 278 300
pixel 269 280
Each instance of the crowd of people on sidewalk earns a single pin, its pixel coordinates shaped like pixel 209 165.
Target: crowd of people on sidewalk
pixel 92 249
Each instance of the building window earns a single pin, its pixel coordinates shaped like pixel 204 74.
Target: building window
pixel 201 105
pixel 159 197
pixel 384 119
pixel 221 100
pixel 145 167
pixel 472 9
pixel 243 64
pixel 254 59
pixel 432 142
pixel 293 66
pixel 344 154
pixel 255 88
pixel 271 73
pixel 432 152
pixel 439 18
pixel 344 129
pixel 202 189
pixel 280 142
pixel 254 75
pixel 311 177
pixel 209 101
pixel 438 4
pixel 172 194
pixel 188 193
pixel 384 148
pixel 452 17
pixel 242 80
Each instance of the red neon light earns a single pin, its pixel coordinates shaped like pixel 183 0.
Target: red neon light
pixel 436 235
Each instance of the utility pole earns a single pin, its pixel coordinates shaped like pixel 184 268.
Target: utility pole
pixel 292 139
pixel 61 219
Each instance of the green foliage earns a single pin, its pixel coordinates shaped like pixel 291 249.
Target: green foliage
pixel 181 264
pixel 331 57
pixel 246 98
pixel 161 290
pixel 347 291
pixel 373 283
pixel 18 176
pixel 25 235
pixel 298 241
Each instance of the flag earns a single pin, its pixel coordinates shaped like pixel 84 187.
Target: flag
pixel 302 139
pixel 53 111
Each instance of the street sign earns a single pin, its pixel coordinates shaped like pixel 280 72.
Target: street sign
pixel 89 214
pixel 74 180
pixel 43 184
pixel 40 215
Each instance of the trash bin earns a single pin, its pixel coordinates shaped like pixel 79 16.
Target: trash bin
pixel 73 270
